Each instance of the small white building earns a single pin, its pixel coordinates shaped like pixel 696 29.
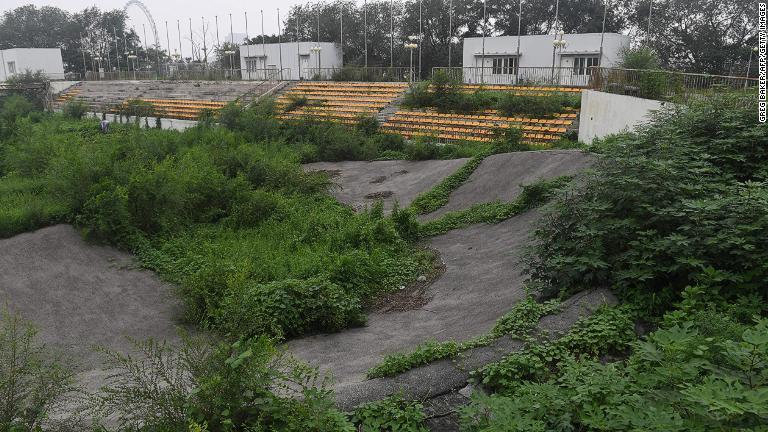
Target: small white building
pixel 18 60
pixel 534 64
pixel 298 60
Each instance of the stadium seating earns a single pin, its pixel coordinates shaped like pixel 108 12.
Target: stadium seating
pixel 478 127
pixel 342 102
pixel 170 99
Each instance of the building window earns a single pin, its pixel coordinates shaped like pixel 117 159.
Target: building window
pixel 504 65
pixel 11 67
pixel 581 65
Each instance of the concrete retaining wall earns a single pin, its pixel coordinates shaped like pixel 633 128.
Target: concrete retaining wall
pixel 604 114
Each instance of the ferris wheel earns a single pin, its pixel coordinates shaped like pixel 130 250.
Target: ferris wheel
pixel 151 20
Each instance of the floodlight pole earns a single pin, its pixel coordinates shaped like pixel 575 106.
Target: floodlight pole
pixel 519 32
pixel 554 48
pixel 82 49
pixel 391 34
pixel 117 52
pixel 341 31
pixel 205 44
pixel 482 57
pixel 602 33
pixel 421 36
pixel 365 32
pixel 279 42
pixel 450 33
pixel 178 28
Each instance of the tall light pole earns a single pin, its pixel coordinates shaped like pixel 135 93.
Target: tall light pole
pixel 519 32
pixel 411 46
pixel 218 41
pixel 298 40
pixel 192 41
pixel 482 57
pixel 554 47
pixel 391 34
pixel 365 31
pixel 134 59
pixel 82 50
pixel 602 33
pixel 341 31
pixel 178 28
pixel 557 44
pixel 421 37
pixel 117 52
pixel 205 44
pixel 247 36
pixel 450 33
pixel 650 13
pixel 279 42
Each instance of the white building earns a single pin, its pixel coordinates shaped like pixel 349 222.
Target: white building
pixel 298 60
pixel 19 60
pixel 534 64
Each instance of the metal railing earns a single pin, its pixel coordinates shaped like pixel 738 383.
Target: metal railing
pixel 183 75
pixel 372 74
pixel 534 76
pixel 665 85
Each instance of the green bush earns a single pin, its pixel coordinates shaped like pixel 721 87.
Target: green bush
pixel 33 383
pixel 289 308
pixel 75 109
pixel 678 379
pixel 246 385
pixel 681 203
pixel 14 108
pixel 393 414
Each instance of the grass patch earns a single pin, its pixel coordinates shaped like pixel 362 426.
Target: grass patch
pixel 438 196
pixel 517 323
pixel 27 206
pixel 531 196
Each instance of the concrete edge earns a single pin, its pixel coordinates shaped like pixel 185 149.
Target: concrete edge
pixel 444 376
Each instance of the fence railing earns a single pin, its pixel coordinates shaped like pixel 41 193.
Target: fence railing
pixel 193 75
pixel 374 74
pixel 665 85
pixel 537 76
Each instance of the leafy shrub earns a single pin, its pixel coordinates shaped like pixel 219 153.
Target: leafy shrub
pixel 295 102
pixel 642 57
pixel 33 86
pixel 75 109
pixel 682 203
pixel 13 109
pixel 32 384
pixel 678 379
pixel 393 414
pixel 246 385
pixel 229 115
pixel 368 125
pixel 289 308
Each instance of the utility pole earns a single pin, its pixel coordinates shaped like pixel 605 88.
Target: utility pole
pixel 247 36
pixel 519 31
pixel 554 48
pixel 298 41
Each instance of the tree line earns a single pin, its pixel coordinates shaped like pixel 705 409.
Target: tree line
pixel 708 36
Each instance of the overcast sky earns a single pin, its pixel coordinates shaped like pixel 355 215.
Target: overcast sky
pixel 183 10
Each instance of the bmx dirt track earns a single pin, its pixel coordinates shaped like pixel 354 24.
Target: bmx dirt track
pixel 482 279
pixel 80 296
